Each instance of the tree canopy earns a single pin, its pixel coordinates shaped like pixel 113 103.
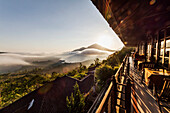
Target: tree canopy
pixel 76 102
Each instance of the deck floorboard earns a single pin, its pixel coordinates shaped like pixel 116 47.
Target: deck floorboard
pixel 142 99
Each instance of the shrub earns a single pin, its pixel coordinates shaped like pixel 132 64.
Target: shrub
pixel 76 102
pixel 117 57
pixel 103 72
pixel 91 65
pixel 79 76
pixel 72 73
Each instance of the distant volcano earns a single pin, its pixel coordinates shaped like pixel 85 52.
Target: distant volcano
pixel 94 46
pixel 88 53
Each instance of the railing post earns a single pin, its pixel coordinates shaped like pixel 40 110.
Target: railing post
pixel 124 62
pixel 123 66
pixel 128 96
pixel 143 75
pixel 114 95
pixel 109 105
pixel 119 76
pixel 125 58
pixel 128 67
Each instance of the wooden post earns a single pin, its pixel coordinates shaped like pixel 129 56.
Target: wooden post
pixel 128 67
pixel 138 49
pixel 152 50
pixel 114 95
pixel 169 62
pixel 145 51
pixel 164 48
pixel 125 59
pixel 158 48
pixel 143 75
pixel 123 67
pixel 119 76
pixel 154 89
pixel 128 96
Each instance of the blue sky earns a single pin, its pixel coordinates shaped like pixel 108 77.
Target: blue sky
pixel 52 26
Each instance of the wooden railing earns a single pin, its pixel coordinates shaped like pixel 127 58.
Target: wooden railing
pixel 108 101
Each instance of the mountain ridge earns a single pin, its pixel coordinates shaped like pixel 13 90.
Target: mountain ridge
pixel 94 46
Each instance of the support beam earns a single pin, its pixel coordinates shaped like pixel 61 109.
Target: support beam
pixel 145 50
pixel 138 48
pixel 164 48
pixel 152 50
pixel 157 48
pixel 169 62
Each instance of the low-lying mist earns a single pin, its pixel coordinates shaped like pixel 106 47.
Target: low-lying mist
pixel 10 62
pixel 87 54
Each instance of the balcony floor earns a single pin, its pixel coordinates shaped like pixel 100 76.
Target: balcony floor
pixel 142 99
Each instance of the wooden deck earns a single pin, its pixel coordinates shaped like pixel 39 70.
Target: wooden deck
pixel 142 99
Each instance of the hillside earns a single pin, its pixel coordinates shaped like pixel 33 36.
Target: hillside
pixel 94 46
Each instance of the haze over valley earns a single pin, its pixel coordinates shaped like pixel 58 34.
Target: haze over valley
pixel 13 61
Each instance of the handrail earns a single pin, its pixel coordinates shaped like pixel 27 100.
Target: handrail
pixel 106 96
pixel 104 99
pixel 97 102
pixel 117 73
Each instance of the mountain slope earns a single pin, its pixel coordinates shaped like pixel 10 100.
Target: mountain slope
pixel 80 49
pixel 94 46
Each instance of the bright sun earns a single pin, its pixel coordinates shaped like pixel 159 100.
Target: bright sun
pixel 106 41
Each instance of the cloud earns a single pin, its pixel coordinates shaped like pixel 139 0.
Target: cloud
pixel 9 60
pixel 13 61
pixel 23 58
pixel 94 52
pixel 87 54
pixel 10 63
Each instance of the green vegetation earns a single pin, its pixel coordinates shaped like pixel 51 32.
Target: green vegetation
pixel 117 58
pixel 79 72
pixel 79 76
pixel 76 102
pixel 17 87
pixel 110 66
pixel 103 72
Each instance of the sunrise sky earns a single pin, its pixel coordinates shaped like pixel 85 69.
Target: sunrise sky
pixel 52 26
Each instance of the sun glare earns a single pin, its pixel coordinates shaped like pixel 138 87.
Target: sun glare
pixel 106 41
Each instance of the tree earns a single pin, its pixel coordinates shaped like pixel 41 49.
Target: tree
pixel 96 61
pixel 103 72
pixel 76 102
pixel 72 73
pixel 80 75
pixel 80 69
pixel 117 57
pixel 91 65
